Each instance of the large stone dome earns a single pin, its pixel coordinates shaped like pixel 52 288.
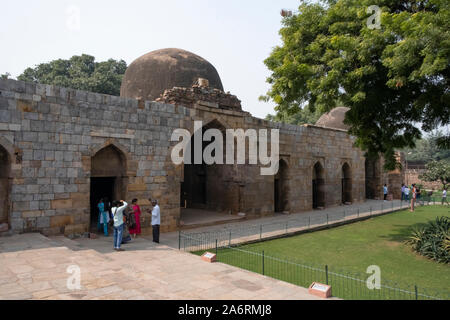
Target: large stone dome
pixel 334 119
pixel 150 75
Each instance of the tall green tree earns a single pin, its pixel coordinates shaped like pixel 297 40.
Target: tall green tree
pixel 303 116
pixel 437 171
pixel 393 78
pixel 427 149
pixel 79 72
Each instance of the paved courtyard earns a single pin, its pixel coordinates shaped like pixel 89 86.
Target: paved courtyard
pixel 35 267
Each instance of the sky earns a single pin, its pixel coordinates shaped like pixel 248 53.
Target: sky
pixel 235 36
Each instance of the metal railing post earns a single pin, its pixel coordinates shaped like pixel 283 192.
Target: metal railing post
pixel 326 273
pixel 260 232
pixel 229 244
pixel 179 240
pixel 416 291
pixel 216 247
pixel 263 271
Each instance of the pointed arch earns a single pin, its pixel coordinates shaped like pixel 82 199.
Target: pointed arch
pixel 109 175
pixel 6 153
pixel 281 187
pixel 318 185
pixel 346 183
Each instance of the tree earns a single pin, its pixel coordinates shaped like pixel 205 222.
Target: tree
pixel 304 116
pixel 427 149
pixel 437 171
pixel 394 79
pixel 5 76
pixel 79 72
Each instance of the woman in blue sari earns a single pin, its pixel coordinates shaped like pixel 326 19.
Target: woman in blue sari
pixel 103 217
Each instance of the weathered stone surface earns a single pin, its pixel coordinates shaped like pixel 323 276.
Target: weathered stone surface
pixel 61 221
pixel 59 145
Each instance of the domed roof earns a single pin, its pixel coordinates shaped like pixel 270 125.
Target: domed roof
pixel 334 119
pixel 150 75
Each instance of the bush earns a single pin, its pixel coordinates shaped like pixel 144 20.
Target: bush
pixel 432 240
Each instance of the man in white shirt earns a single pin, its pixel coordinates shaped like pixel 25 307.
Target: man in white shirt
pixel 156 220
pixel 117 211
pixel 406 193
pixel 444 197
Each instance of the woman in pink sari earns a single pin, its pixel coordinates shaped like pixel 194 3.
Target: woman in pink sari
pixel 137 216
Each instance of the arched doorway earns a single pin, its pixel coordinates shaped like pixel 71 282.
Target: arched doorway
pixel 5 185
pixel 346 184
pixel 318 185
pixel 281 188
pixel 208 186
pixel 108 178
pixel 373 178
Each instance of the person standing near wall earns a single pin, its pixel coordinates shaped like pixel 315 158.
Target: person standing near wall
pixel 137 216
pixel 406 193
pixel 156 220
pixel 385 192
pixel 104 217
pixel 444 197
pixel 117 211
pixel 413 198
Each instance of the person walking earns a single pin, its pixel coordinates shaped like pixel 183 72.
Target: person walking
pixel 444 197
pixel 117 211
pixel 137 216
pixel 104 217
pixel 156 220
pixel 128 225
pixel 406 193
pixel 385 192
pixel 413 197
pixel 108 206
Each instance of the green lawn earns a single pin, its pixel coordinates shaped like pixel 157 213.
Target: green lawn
pixel 352 249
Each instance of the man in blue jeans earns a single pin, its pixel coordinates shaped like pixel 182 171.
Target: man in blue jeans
pixel 117 211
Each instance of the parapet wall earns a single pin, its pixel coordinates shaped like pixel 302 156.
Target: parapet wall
pixel 52 135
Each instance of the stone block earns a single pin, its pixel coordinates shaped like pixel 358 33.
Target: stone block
pixel 62 204
pixel 61 221
pixel 75 229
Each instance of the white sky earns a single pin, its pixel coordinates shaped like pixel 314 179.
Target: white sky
pixel 235 36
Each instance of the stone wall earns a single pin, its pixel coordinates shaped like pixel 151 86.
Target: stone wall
pixel 57 132
pixel 412 176
pixel 53 134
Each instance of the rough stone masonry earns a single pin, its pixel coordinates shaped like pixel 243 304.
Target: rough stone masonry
pixel 59 147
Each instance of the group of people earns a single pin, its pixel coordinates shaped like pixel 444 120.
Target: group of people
pixel 126 220
pixel 415 193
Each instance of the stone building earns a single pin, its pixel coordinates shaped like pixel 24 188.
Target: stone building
pixel 63 149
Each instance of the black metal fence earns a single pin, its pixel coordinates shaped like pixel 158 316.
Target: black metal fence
pixel 344 285
pixel 241 233
pixel 225 243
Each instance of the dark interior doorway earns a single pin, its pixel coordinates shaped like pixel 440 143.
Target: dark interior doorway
pixel 101 188
pixel 204 186
pixel 5 185
pixel 373 179
pixel 108 178
pixel 318 186
pixel 281 189
pixel 346 184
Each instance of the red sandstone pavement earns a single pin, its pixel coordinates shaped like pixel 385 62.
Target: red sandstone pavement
pixel 35 267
